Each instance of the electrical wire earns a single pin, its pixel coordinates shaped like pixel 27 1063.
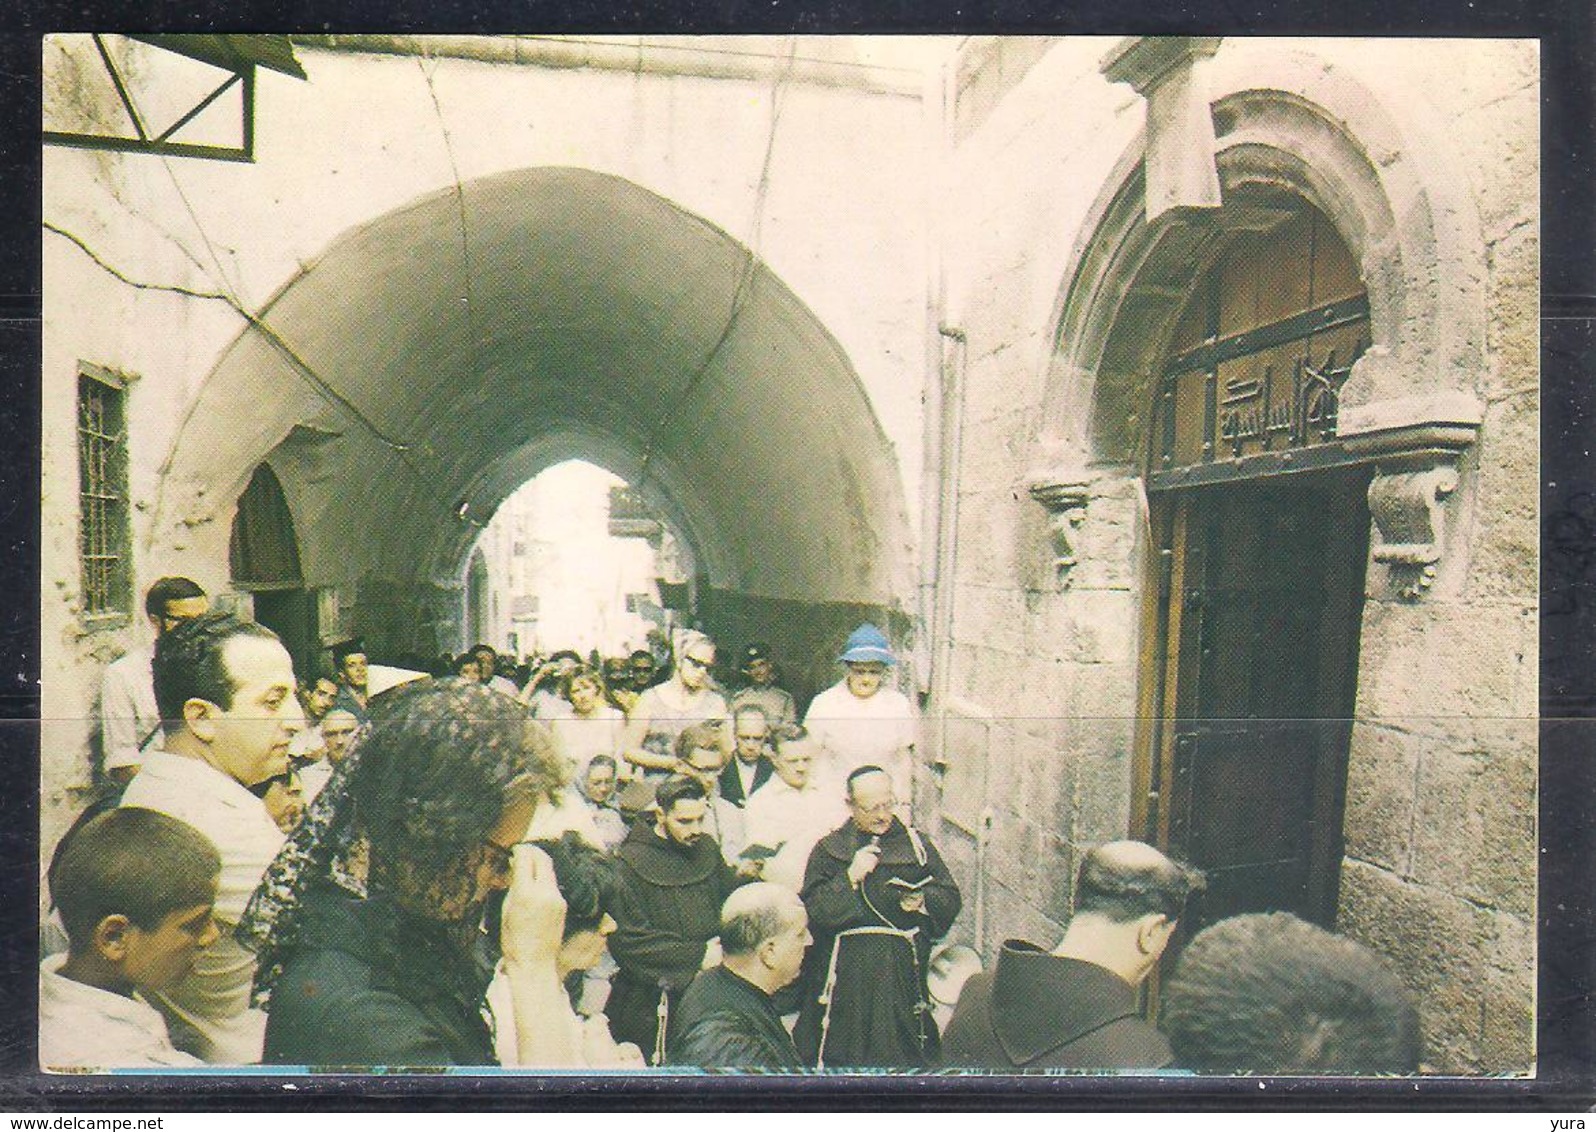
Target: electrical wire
pixel 272 338
pixel 459 197
pixel 746 276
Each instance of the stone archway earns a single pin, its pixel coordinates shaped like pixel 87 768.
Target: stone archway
pixel 263 561
pixel 263 552
pixel 1284 127
pixel 1400 210
pixel 429 362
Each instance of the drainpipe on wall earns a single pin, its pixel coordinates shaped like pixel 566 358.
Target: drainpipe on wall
pixel 944 400
pixel 983 841
pixel 947 357
pixel 931 389
pixel 944 559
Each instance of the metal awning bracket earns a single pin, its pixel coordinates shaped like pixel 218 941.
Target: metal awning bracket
pixel 237 55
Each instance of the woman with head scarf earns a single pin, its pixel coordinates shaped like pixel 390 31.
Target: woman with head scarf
pixel 369 925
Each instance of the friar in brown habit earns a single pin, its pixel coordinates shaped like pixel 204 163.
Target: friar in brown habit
pixel 1075 1007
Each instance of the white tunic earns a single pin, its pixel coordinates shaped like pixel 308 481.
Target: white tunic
pixel 858 732
pixel 589 1037
pixel 567 811
pixel 84 1027
pixel 724 822
pixel 313 777
pixel 504 686
pixel 794 819
pixel 582 737
pixel 128 715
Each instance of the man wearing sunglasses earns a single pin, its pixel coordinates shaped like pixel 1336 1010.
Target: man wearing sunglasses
pixel 664 711
pixel 130 723
pixel 879 896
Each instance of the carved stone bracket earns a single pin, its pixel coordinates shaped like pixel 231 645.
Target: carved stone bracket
pixel 1065 500
pixel 1415 444
pixel 1408 511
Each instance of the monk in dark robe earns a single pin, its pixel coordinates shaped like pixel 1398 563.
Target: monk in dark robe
pixel 879 896
pixel 671 882
pixel 1076 1006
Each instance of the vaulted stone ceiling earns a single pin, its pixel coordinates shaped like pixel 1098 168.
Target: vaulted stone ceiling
pixel 476 338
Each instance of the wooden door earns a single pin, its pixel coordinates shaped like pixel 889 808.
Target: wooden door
pixel 292 615
pixel 1261 524
pixel 1260 641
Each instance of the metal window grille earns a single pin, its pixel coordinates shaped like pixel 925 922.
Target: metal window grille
pixel 104 536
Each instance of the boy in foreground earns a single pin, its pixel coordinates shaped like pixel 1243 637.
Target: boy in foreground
pixel 136 890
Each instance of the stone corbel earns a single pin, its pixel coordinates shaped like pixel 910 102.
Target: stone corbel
pixel 1065 499
pixel 1415 444
pixel 1181 172
pixel 1408 508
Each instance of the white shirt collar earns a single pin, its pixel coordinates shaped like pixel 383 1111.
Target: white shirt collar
pixel 746 772
pixel 198 778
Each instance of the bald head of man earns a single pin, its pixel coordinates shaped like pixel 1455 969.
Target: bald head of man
pixel 1128 898
pixel 764 931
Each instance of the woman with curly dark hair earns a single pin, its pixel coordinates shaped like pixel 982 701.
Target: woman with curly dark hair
pixel 369 925
pixel 587 884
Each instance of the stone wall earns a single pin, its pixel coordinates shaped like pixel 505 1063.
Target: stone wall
pixel 1440 818
pixel 1441 807
pixel 1049 672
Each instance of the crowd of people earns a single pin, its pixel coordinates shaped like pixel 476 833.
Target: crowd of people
pixel 607 864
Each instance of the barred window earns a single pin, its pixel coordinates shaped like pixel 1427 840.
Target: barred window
pixel 104 535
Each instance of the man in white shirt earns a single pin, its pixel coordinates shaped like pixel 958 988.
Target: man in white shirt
pixel 859 720
pixel 795 809
pixel 130 724
pixel 226 690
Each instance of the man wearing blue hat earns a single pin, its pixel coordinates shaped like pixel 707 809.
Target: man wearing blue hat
pixel 860 721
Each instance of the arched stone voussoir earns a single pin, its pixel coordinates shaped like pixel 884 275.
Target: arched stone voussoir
pixel 1292 125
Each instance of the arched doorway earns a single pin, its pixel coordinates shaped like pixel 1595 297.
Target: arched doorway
pixel 1260 525
pixel 263 560
pixel 1409 418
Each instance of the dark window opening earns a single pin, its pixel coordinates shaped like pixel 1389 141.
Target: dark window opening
pixel 104 535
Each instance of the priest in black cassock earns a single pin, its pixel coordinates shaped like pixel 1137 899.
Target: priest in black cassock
pixel 879 896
